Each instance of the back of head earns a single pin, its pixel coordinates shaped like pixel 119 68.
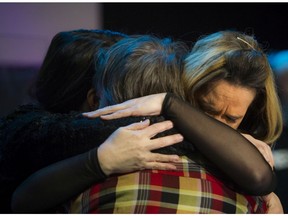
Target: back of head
pixel 68 68
pixel 238 59
pixel 139 66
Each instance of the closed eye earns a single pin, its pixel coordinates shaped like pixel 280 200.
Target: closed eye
pixel 232 119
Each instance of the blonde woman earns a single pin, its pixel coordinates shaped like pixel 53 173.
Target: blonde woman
pixel 238 60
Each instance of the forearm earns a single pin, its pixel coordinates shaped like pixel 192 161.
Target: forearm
pixel 57 183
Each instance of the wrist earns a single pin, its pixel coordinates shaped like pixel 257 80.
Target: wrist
pixel 164 98
pixel 103 160
pixel 93 164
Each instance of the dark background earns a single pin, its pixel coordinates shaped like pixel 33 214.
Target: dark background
pixel 188 21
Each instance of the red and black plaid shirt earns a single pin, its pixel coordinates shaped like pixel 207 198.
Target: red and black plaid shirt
pixel 189 189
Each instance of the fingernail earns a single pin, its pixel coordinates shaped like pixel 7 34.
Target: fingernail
pixel 170 124
pixel 180 137
pixel 145 121
pixel 176 158
pixel 173 168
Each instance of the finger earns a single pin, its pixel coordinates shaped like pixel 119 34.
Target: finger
pixel 164 141
pixel 104 110
pixel 270 155
pixel 265 198
pixel 263 148
pixel 159 127
pixel 138 125
pixel 267 153
pixel 160 166
pixel 272 160
pixel 156 157
pixel 118 114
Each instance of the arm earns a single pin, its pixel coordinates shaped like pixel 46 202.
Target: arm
pixel 32 138
pixel 63 180
pixel 224 146
pixel 52 185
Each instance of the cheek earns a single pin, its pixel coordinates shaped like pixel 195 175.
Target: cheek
pixel 232 125
pixel 236 125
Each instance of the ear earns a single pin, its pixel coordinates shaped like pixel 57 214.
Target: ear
pixel 92 100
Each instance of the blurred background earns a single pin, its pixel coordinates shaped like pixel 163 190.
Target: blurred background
pixel 26 30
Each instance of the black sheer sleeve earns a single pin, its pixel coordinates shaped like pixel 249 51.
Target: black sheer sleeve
pixel 223 146
pixel 53 185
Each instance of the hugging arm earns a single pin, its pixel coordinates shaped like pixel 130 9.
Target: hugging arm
pixel 225 147
pixel 46 193
pixel 222 145
pixel 59 182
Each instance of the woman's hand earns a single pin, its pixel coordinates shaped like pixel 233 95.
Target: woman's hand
pixel 129 148
pixel 273 204
pixel 143 106
pixel 263 148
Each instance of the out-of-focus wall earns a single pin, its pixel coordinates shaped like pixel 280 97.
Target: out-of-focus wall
pixel 26 30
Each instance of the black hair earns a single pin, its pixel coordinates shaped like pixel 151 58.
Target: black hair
pixel 68 68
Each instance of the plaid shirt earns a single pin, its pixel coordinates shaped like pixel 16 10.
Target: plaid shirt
pixel 189 189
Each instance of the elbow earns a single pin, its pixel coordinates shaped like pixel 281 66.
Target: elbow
pixel 261 183
pixel 16 204
pixel 19 203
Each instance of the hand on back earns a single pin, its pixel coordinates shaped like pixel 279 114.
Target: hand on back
pixel 144 106
pixel 131 146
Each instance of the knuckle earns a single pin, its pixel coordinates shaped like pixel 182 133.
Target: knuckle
pixel 140 157
pixel 158 157
pixel 137 136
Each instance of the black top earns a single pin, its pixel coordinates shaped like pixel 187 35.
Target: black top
pixel 53 137
pixel 32 138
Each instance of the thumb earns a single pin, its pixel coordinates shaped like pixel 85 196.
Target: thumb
pixel 138 125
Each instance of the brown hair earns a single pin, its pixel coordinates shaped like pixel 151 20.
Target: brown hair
pixel 238 59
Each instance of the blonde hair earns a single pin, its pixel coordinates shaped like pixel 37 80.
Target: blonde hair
pixel 239 59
